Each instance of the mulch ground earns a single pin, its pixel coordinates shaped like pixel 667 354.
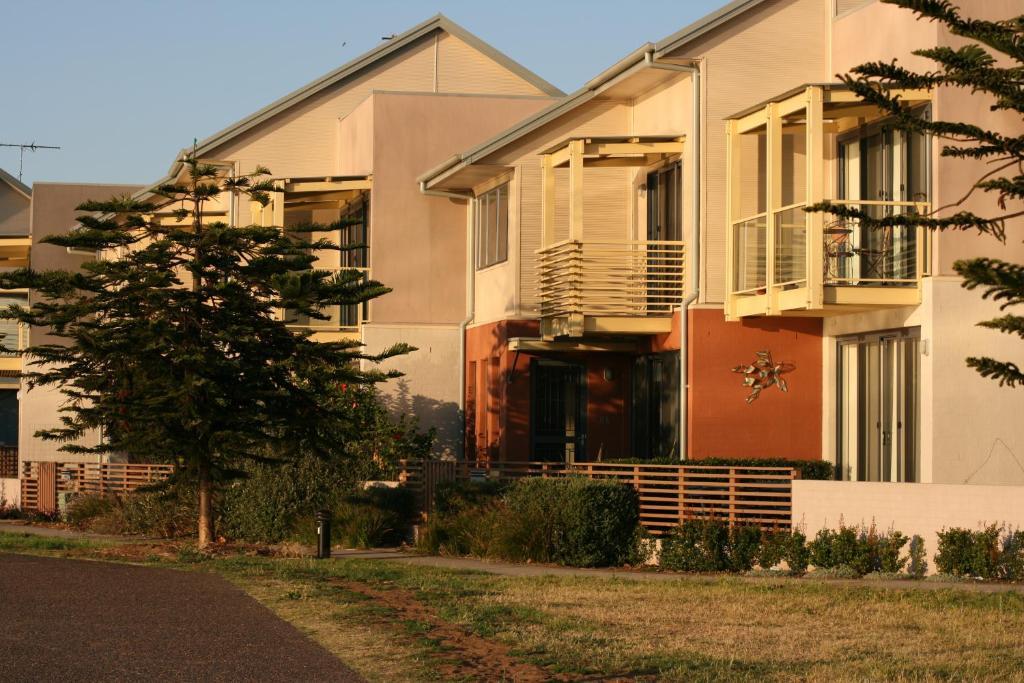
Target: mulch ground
pixel 63 619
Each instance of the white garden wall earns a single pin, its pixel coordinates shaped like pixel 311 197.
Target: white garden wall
pixel 10 492
pixel 922 509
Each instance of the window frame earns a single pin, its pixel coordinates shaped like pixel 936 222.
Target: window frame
pixel 485 235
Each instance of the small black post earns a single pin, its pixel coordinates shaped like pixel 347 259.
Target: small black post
pixel 323 534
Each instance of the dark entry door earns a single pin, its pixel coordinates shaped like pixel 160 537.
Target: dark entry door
pixel 558 419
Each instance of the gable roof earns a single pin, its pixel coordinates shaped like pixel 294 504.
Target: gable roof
pixel 588 92
pixel 438 22
pixel 591 88
pixel 16 184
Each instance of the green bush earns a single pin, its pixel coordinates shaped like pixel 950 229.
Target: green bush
pixel 809 469
pixel 710 546
pixel 917 565
pixel 164 514
pixel 963 552
pixel 863 551
pixel 376 517
pixel 572 521
pixel 1011 556
pixel 773 549
pixel 797 554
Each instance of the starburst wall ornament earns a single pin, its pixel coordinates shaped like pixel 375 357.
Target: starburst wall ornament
pixel 763 373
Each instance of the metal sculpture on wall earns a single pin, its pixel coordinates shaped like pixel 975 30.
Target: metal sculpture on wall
pixel 763 373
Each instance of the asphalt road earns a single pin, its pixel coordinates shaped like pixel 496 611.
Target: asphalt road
pixel 73 620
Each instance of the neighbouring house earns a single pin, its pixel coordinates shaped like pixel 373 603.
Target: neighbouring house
pixel 347 147
pixel 15 230
pixel 676 179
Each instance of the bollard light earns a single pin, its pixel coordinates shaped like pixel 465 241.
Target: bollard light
pixel 323 534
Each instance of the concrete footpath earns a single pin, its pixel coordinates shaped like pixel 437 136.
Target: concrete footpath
pixel 527 570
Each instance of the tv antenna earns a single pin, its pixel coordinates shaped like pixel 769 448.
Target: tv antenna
pixel 30 146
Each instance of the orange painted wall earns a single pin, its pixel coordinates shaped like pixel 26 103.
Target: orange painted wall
pixel 780 425
pixel 608 418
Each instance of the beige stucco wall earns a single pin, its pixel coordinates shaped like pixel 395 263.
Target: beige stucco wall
pixel 355 140
pixel 971 429
pixel 430 387
pixel 303 140
pixel 418 242
pixel 10 493
pixel 921 509
pixel 15 209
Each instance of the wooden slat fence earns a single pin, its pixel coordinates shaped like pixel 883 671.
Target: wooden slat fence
pixel 669 494
pixel 42 481
pixel 8 462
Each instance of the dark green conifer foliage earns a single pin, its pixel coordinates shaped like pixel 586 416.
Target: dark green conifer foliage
pixel 172 346
pixel 990 65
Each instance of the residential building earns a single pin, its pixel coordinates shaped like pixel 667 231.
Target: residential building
pixel 676 180
pixel 348 146
pixel 15 222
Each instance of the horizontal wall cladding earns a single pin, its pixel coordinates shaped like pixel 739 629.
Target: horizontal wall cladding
pixel 461 68
pixel 302 140
pixel 772 48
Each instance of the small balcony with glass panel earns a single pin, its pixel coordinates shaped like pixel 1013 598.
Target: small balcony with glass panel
pixel 818 143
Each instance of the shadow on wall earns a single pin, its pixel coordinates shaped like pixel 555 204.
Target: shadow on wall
pixel 444 416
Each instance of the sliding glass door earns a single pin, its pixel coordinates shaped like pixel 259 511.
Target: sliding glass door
pixel 878 407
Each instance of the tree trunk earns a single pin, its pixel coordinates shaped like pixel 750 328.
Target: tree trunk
pixel 205 508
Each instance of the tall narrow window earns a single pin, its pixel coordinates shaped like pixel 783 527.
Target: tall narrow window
pixel 492 227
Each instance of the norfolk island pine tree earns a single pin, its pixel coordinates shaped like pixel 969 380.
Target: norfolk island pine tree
pixel 172 345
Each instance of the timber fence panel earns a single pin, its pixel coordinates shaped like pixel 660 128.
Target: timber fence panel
pixel 8 462
pixel 42 481
pixel 669 494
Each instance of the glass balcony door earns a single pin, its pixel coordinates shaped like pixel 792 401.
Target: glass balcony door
pixel 878 408
pixel 882 167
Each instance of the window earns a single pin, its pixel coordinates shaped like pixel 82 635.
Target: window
pixel 492 227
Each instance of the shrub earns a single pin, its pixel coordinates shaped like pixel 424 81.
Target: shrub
pixel 83 510
pixel 918 565
pixel 376 517
pixel 598 520
pixel 863 551
pixel 744 543
pixel 773 549
pixel 963 552
pixel 573 521
pixel 1011 556
pixel 797 553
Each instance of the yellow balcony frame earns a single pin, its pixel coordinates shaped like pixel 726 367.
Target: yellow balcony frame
pixel 816 111
pixel 598 287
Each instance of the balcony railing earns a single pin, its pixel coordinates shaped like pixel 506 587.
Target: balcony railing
pixel 641 278
pixel 342 318
pixel 890 256
pixel 852 255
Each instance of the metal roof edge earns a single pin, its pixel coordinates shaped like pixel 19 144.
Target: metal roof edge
pixel 18 186
pixel 703 25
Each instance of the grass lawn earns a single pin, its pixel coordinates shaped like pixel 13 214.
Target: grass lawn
pixel 397 622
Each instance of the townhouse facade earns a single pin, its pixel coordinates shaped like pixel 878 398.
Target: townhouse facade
pixel 581 273
pixel 649 235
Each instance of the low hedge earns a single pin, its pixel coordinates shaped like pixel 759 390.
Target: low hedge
pixel 861 551
pixel 712 546
pixel 990 553
pixel 809 469
pixel 571 521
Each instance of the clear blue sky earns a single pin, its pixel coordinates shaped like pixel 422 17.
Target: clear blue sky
pixel 123 85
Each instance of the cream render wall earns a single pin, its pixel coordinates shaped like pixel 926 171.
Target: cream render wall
pixel 302 141
pixel 15 211
pixel 768 50
pixel 913 509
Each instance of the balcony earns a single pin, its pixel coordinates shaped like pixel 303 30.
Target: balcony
pixel 589 284
pixel 783 155
pixel 342 322
pixel 609 287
